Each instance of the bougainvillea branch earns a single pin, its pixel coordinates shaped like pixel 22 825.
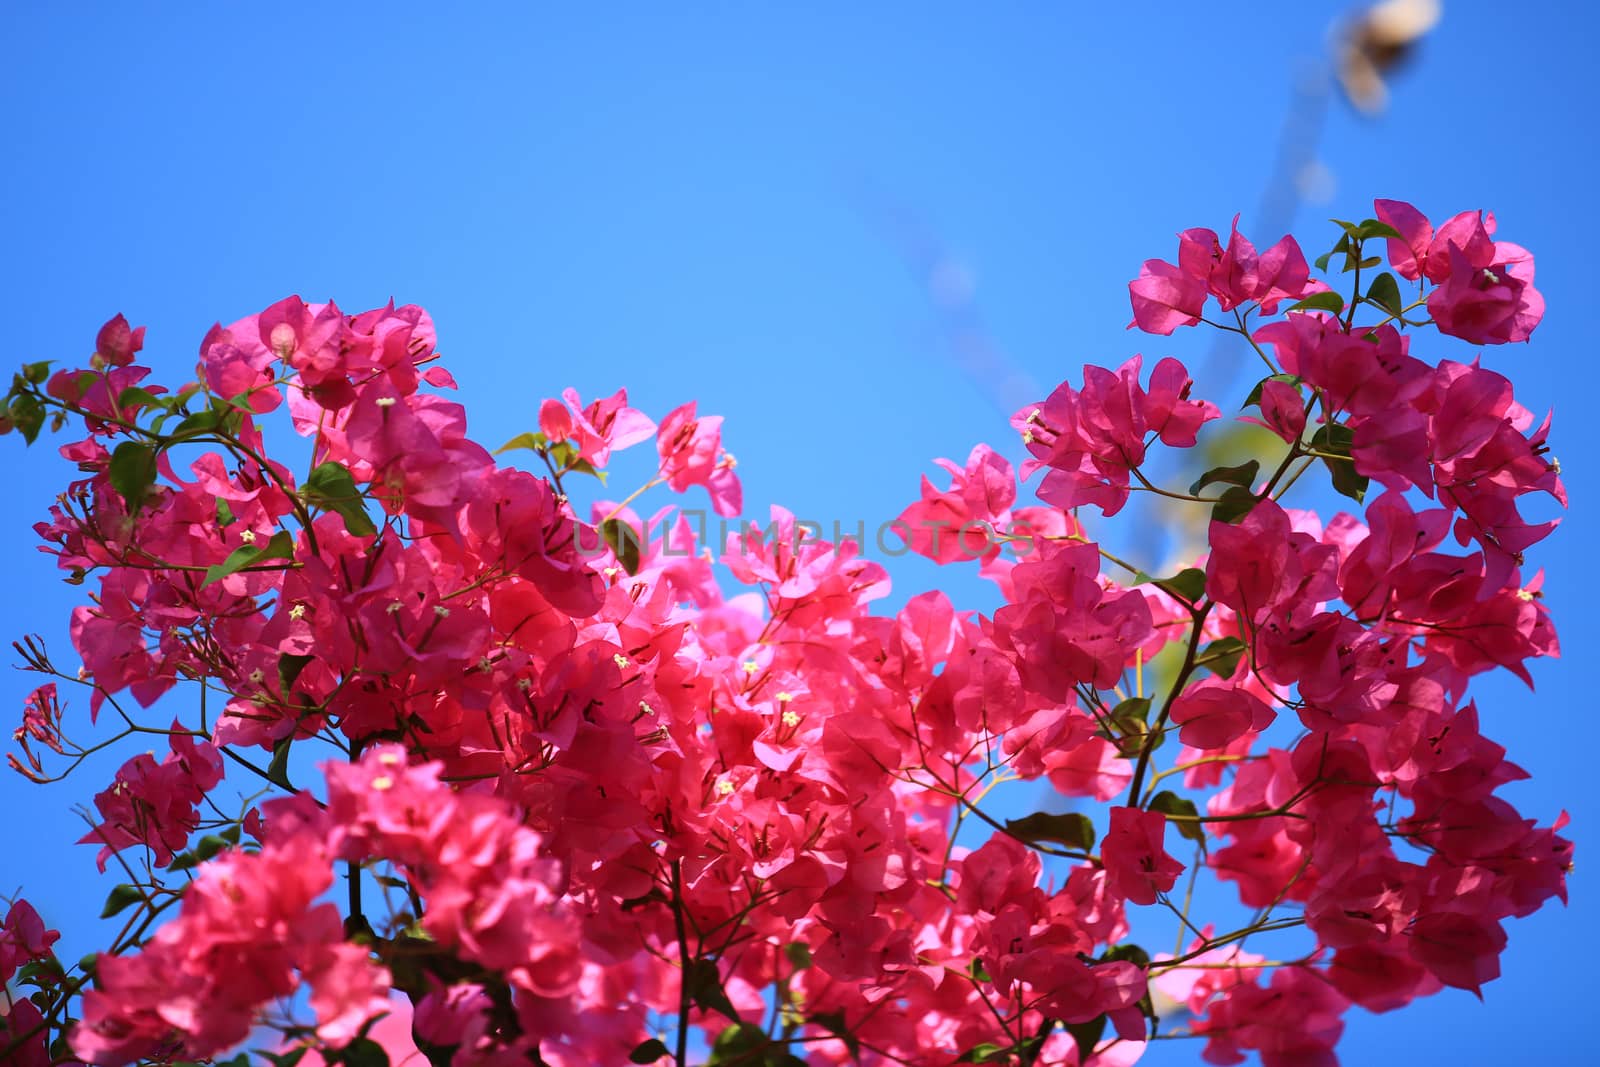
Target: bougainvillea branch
pixel 591 808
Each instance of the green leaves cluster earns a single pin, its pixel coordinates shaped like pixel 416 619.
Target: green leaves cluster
pixel 332 487
pixel 1349 246
pixel 562 456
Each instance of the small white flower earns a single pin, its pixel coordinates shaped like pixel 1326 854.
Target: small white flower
pixel 441 611
pixel 750 666
pixel 247 536
pixel 382 782
pixel 724 786
pixel 256 676
pixel 620 660
pixel 298 611
pixel 791 719
pixel 393 608
pixel 385 401
pixel 1490 276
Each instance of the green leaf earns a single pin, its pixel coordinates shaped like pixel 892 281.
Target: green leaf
pixel 1374 228
pixel 184 861
pixel 583 466
pixel 362 1052
pixel 1243 475
pixel 649 1051
pixel 36 373
pixel 27 415
pixel 1188 584
pixel 562 453
pixel 1086 1035
pixel 1322 264
pixel 224 514
pixel 1129 722
pixel 39 973
pixel 1350 228
pixel 134 396
pixel 1385 292
pixel 332 486
pixel 1227 651
pixel 624 541
pixel 985 1052
pixel 133 472
pixel 1333 437
pixel 1127 952
pixel 284 1059
pixel 535 442
pixel 1188 825
pixel 1072 829
pixel 121 896
pixel 281 546
pixel 209 845
pixel 199 423
pixel 1336 438
pixel 1347 480
pixel 1371 261
pixel 705 988
pixel 1132 710
pixel 799 954
pixel 289 668
pixel 1326 301
pixel 740 1043
pixel 237 560
pixel 1234 504
pixel 278 769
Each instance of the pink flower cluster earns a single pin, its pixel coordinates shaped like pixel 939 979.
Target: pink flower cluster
pixel 1485 292
pixel 24 940
pixel 1166 296
pixel 156 804
pixel 607 799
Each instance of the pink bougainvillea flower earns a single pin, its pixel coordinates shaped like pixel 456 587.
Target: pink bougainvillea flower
pixel 117 343
pixel 1165 297
pixel 1135 859
pixel 599 429
pixel 691 454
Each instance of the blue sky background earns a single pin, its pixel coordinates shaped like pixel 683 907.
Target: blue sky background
pixel 759 207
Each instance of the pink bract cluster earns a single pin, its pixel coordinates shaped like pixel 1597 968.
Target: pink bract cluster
pixel 580 805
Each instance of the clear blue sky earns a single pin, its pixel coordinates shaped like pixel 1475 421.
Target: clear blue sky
pixel 726 203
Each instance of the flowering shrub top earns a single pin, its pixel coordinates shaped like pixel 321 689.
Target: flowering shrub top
pixel 584 804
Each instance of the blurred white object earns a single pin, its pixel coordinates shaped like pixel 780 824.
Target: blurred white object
pixel 1380 40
